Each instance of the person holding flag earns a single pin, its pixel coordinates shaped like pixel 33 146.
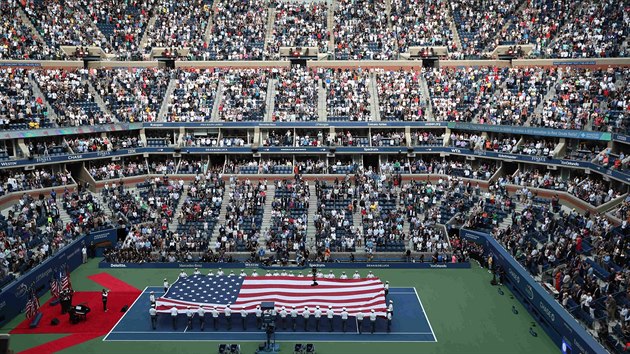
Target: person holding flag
pixel 32 306
pixel 54 286
pixel 66 284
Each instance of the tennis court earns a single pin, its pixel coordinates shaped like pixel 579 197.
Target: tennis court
pixel 410 324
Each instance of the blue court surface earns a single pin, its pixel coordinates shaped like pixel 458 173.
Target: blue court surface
pixel 409 324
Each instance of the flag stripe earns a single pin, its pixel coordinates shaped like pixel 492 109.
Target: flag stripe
pixel 356 295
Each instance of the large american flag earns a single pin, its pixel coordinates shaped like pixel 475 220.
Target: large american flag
pixel 356 295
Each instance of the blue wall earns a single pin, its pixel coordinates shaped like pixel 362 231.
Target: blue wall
pixel 552 317
pixel 13 297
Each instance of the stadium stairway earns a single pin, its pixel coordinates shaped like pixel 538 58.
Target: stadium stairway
pixel 550 94
pixel 29 24
pixel 63 215
pixel 271 100
pixel 37 92
pixel 507 222
pixel 453 28
pixel 217 101
pixel 207 35
pixel 321 102
pixel 374 107
pixel 496 97
pixel 222 213
pixel 427 98
pixel 271 18
pixel 330 24
pixel 173 225
pixel 266 220
pixel 99 101
pixel 167 99
pixel 310 229
pixel 145 35
pixel 510 21
pixel 356 219
pixel 407 229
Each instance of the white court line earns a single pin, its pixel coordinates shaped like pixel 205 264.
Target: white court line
pixel 252 332
pixel 123 316
pixel 258 341
pixel 425 314
pixel 284 333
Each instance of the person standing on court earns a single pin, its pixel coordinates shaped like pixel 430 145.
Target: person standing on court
pixel 202 319
pixel 318 316
pixel 165 285
pixel 294 314
pixel 190 313
pixel 283 317
pixel 244 318
pixel 228 316
pixel 152 298
pixel 330 314
pixel 258 313
pixel 344 319
pixel 390 308
pixel 104 296
pixel 386 287
pixel 306 314
pixel 215 317
pixel 389 322
pixel 153 314
pixel 174 316
pixel 373 320
pixel 360 321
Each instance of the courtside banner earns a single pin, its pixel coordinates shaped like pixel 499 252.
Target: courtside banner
pixel 110 235
pixel 333 265
pixel 553 318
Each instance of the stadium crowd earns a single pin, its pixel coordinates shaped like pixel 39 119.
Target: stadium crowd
pixel 238 31
pixel 244 95
pixel 132 95
pixel 296 95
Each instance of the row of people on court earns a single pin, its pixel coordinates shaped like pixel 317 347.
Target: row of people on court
pixel 275 273
pixel 285 316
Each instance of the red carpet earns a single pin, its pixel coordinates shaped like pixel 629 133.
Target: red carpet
pixel 61 343
pixel 98 322
pixel 112 283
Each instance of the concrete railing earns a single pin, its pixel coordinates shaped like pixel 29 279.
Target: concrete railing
pixel 583 62
pixel 565 198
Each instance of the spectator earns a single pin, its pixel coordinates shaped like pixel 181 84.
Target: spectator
pixel 301 25
pixel 400 96
pixel 132 95
pixel 296 95
pixel 361 31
